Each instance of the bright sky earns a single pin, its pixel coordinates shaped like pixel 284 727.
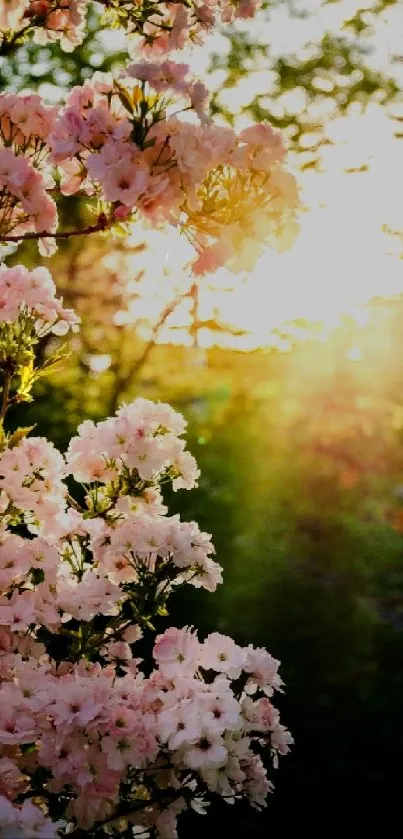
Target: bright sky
pixel 342 258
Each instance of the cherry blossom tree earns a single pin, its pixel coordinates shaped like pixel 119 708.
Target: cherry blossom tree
pixel 92 738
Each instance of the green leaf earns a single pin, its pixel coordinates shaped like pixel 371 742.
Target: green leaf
pixel 19 435
pixel 124 97
pixel 27 748
pixel 27 376
pixel 52 363
pixel 37 576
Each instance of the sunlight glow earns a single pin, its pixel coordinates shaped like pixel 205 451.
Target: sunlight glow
pixel 342 258
pixel 340 261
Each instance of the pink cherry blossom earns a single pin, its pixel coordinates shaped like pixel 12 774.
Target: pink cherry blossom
pixel 220 653
pixel 208 751
pixel 176 652
pixel 18 612
pixel 32 294
pixel 263 669
pixel 85 598
pixel 81 581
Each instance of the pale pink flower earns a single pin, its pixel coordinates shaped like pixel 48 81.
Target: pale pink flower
pixel 257 786
pixel 46 605
pixel 16 726
pixel 208 573
pixel 247 8
pixel 281 739
pixel 161 76
pixel 26 822
pixel 264 149
pixel 179 724
pixel 33 823
pixel 18 612
pixel 8 817
pixel 136 747
pixel 180 26
pixel 166 823
pixel 125 180
pixel 263 669
pixel 12 14
pixel 212 258
pixel 198 99
pixel 221 711
pixel 31 478
pixel 118 567
pixel 13 560
pixel 188 471
pixel 65 24
pixel 90 596
pixel 208 751
pixel 40 554
pixel 220 653
pixel 117 651
pixel 176 652
pixel 75 704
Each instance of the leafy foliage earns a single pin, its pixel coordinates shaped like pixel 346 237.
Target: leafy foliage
pixel 326 76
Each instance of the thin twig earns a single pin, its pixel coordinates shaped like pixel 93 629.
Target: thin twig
pixel 5 394
pixel 102 224
pixel 169 309
pixel 73 503
pixel 123 381
pixel 126 811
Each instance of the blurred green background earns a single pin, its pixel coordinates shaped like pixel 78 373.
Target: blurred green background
pixel 301 455
pixel 300 441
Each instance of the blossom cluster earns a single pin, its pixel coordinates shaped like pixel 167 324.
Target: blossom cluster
pixel 31 482
pixel 28 298
pixel 157 27
pixel 86 723
pixel 25 180
pixel 48 20
pixel 25 123
pixel 89 733
pixel 127 145
pixel 163 545
pixel 93 736
pixel 89 730
pixel 228 193
pixel 142 442
pixel 25 205
pixel 29 310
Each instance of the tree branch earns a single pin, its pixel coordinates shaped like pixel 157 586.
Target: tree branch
pixel 102 224
pixel 121 382
pixel 6 393
pixel 169 309
pixel 126 811
pixel 7 45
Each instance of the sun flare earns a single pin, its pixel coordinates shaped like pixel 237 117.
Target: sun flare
pixel 343 257
pixel 340 261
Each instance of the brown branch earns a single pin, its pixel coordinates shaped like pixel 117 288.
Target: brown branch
pixel 125 811
pixel 6 393
pixel 102 224
pixel 73 503
pixel 123 381
pixel 8 44
pixel 169 309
